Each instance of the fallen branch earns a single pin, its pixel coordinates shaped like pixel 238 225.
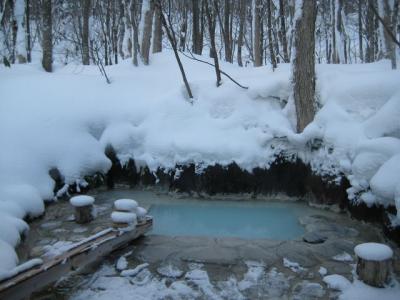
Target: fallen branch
pixel 210 64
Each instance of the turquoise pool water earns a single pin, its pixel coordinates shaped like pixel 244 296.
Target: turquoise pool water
pixel 278 221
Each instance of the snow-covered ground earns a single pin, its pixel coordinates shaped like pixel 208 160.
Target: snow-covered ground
pixel 65 120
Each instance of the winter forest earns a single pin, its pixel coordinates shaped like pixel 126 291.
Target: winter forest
pixel 199 149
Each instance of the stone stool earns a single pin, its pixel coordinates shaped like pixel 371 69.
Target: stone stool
pixel 83 208
pixel 123 219
pixel 373 263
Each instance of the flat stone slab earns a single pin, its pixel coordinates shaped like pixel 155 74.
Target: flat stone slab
pixel 314 238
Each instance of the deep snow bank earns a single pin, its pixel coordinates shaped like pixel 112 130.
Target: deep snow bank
pixel 66 119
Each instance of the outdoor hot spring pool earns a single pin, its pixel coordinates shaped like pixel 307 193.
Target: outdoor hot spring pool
pixel 176 215
pixel 248 220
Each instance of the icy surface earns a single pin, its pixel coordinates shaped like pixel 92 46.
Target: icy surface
pixel 81 200
pixel 126 205
pixel 373 251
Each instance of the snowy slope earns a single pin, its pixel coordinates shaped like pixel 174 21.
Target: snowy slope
pixel 66 119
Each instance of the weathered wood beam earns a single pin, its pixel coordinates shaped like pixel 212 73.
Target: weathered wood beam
pixel 83 254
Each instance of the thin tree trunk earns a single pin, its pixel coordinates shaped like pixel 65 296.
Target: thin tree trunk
pixel 369 55
pixel 335 54
pixel 242 20
pixel 270 42
pixel 47 36
pixel 304 65
pixel 211 29
pixel 283 30
pixel 85 31
pixel 257 45
pixel 135 33
pixel 394 30
pixel 183 30
pixel 172 40
pixel 227 31
pixel 147 15
pixel 28 31
pixel 196 47
pixel 157 33
pixel 360 30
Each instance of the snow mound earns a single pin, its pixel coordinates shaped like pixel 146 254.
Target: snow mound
pixel 385 181
pixel 373 251
pixel 123 217
pixel 344 256
pixel 337 282
pixel 141 213
pixel 82 200
pixel 122 263
pixel 126 205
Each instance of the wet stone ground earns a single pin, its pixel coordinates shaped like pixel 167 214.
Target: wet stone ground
pixel 162 267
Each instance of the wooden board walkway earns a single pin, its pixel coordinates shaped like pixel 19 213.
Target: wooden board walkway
pixel 90 250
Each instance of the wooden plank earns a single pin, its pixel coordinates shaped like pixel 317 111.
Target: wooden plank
pixel 24 284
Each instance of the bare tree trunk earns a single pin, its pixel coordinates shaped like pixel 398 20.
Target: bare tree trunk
pixel 270 42
pixel 196 47
pixel 360 30
pixel 183 30
pixel 47 36
pixel 304 65
pixel 172 40
pixel 202 21
pixel 226 29
pixel 122 26
pixel 134 33
pixel 394 30
pixel 28 31
pixel 257 47
pixel 369 55
pixel 283 30
pixel 147 15
pixel 211 29
pixel 388 21
pixel 242 21
pixel 157 34
pixel 335 54
pixel 85 31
